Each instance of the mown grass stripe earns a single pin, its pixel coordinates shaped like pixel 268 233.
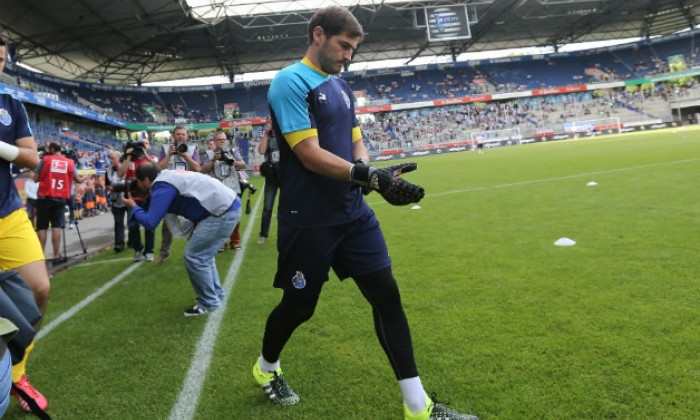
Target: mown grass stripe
pixel 560 178
pixel 85 302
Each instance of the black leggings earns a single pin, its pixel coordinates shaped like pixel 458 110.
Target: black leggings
pixel 381 291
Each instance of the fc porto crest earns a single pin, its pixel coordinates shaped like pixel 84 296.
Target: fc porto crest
pixel 5 117
pixel 346 98
pixel 299 281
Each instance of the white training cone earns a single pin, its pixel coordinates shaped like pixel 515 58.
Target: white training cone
pixel 565 242
pixel 592 184
pixel 416 207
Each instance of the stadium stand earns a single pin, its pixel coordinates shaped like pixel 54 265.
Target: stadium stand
pixel 410 128
pixel 394 86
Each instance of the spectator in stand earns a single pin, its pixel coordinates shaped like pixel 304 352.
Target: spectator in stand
pixel 173 157
pixel 133 158
pixel 269 148
pixel 55 175
pixel 31 190
pixel 117 200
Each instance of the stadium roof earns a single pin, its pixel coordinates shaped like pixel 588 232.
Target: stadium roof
pixel 126 41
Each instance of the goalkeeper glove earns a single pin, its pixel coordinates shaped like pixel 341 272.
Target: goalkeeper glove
pixel 387 182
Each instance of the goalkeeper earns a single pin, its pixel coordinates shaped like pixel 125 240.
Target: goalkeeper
pixel 323 220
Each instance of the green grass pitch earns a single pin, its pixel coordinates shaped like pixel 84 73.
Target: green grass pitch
pixel 505 325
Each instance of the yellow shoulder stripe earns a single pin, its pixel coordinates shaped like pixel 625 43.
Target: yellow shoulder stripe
pixel 356 134
pixel 295 137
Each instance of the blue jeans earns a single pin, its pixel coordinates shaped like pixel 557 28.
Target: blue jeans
pixel 207 238
pixel 5 381
pixel 271 187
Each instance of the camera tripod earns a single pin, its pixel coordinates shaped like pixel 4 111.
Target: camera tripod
pixel 65 251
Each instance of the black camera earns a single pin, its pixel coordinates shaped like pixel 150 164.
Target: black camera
pixel 245 185
pixel 225 156
pixel 127 187
pixel 182 148
pixel 135 149
pixel 72 154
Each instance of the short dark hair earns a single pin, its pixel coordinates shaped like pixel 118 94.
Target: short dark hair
pixel 147 171
pixel 54 147
pixel 179 127
pixel 335 20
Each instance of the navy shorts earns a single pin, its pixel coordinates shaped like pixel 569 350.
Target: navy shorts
pixel 306 255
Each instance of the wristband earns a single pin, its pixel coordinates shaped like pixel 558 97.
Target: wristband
pixel 8 152
pixel 352 168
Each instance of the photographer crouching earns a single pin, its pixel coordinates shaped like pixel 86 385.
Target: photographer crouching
pixel 223 165
pixel 212 210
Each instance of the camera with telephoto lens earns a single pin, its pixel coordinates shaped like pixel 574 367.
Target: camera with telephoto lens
pixel 130 187
pixel 182 148
pixel 247 185
pixel 135 149
pixel 225 156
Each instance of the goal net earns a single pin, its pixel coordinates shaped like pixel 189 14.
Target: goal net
pixel 600 126
pixel 497 137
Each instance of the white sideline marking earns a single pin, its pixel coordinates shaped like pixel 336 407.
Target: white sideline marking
pixel 186 403
pixel 103 262
pixel 536 181
pixel 83 303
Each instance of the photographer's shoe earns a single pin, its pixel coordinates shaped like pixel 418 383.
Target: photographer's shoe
pixel 26 387
pixel 196 310
pixel 138 256
pixel 236 245
pixel 262 239
pixel 435 410
pixel 149 257
pixel 275 386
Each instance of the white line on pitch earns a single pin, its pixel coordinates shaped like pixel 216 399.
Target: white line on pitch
pixel 103 262
pixel 186 403
pixel 83 303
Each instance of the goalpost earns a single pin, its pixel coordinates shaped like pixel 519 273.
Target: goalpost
pixel 501 137
pixel 601 126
